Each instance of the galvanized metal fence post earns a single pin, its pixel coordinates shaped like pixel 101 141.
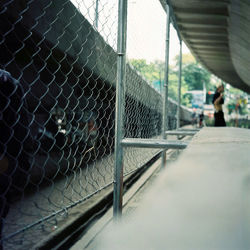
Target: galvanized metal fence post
pixel 96 14
pixel 179 86
pixel 165 86
pixel 120 94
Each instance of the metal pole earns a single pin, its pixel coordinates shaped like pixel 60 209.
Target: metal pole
pixel 173 18
pixel 96 13
pixel 179 86
pixel 121 71
pixel 165 86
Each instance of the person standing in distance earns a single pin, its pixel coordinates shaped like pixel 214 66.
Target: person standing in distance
pixel 218 101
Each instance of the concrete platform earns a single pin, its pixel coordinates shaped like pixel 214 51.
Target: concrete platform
pixel 201 201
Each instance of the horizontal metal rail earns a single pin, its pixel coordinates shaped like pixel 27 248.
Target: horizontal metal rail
pixel 153 143
pixel 179 132
pixel 189 129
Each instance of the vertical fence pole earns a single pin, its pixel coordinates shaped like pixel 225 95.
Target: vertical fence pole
pixel 165 86
pixel 179 87
pixel 121 71
pixel 96 13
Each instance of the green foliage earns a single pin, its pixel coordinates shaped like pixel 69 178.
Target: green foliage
pixel 193 75
pixel 151 72
pixel 237 102
pixel 236 92
pixel 186 59
pixel 238 106
pixel 173 86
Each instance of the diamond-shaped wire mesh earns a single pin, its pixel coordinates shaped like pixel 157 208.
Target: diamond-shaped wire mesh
pixel 58 112
pixel 144 103
pixel 57 129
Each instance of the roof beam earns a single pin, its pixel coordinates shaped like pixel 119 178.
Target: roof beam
pixel 209 44
pixel 205 30
pixel 215 11
pixel 209 39
pixel 209 22
pixel 226 50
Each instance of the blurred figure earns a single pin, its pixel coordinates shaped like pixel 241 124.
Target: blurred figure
pixel 201 118
pixel 14 143
pixel 218 101
pixel 193 118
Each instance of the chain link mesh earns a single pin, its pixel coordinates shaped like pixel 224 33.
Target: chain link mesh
pixel 58 112
pixel 145 77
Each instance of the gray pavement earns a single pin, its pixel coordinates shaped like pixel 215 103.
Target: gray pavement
pixel 131 200
pixel 201 201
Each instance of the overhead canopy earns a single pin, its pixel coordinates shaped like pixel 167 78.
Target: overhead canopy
pixel 217 33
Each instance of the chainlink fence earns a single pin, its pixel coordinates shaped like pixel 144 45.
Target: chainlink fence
pixel 58 111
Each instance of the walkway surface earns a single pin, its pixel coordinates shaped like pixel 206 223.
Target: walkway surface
pixel 201 201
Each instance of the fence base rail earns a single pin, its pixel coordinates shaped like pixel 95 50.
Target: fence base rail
pixel 180 132
pixel 189 129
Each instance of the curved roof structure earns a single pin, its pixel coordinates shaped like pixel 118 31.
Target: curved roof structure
pixel 217 33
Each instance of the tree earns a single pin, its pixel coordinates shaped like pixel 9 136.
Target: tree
pixel 193 73
pixel 237 102
pixel 150 72
pixel 186 59
pixel 195 76
pixel 154 72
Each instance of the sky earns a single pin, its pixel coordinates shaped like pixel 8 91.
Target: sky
pixel 146 27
